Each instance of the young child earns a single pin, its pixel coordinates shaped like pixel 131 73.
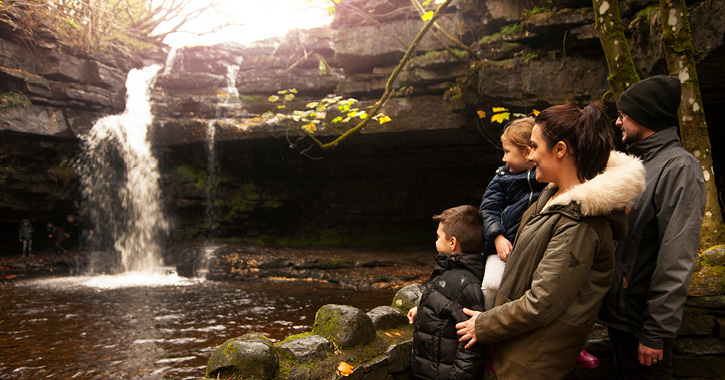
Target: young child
pixel 508 195
pixel 512 190
pixel 26 237
pixel 454 284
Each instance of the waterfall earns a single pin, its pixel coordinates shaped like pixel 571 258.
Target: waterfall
pixel 230 98
pixel 119 180
pixel 212 219
pixel 170 60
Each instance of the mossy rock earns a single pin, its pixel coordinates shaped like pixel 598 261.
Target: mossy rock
pixel 387 317
pixel 407 297
pixel 709 276
pixel 249 356
pixel 344 325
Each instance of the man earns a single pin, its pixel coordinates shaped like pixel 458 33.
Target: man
pixel 78 228
pixel 654 263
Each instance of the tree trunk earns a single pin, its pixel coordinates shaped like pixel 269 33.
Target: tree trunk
pixel 622 73
pixel 677 42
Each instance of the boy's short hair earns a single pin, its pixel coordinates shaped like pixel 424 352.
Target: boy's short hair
pixel 465 224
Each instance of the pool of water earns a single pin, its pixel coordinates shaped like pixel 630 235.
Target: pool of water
pixel 149 327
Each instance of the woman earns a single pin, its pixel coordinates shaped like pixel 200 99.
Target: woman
pixel 562 261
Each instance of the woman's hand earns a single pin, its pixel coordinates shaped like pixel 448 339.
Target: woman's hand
pixel 503 247
pixel 467 329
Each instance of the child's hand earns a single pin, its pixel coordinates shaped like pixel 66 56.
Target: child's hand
pixel 503 247
pixel 412 313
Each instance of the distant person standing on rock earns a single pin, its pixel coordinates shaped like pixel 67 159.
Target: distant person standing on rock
pixel 81 230
pixel 26 237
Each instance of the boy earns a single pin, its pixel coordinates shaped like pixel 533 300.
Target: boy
pixel 454 284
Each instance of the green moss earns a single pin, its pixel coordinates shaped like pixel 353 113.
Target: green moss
pixel 62 173
pixel 184 174
pixel 510 46
pixel 506 30
pixel 13 99
pixel 511 29
pixel 645 15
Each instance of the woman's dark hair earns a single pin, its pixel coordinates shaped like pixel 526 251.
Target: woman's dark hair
pixel 586 131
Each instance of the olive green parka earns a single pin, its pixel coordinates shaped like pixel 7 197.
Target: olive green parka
pixel 558 272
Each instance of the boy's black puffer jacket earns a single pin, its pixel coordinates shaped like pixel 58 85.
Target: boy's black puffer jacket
pixel 454 284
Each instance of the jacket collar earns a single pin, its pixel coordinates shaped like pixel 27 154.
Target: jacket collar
pixel 473 262
pixel 649 146
pixel 621 181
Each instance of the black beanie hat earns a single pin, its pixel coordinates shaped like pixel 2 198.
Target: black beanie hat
pixel 653 102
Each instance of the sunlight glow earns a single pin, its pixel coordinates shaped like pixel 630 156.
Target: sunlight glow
pixel 258 20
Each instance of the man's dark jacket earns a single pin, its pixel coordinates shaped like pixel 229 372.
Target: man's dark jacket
pixel 654 263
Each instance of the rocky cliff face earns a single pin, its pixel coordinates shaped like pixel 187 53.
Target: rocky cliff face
pixel 380 186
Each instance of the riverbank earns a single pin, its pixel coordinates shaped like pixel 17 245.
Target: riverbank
pixel 349 267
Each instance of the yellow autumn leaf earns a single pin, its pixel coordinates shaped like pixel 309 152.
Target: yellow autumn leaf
pixel 500 117
pixel 499 109
pixel 536 112
pixel 273 98
pixel 345 369
pixel 384 119
pixel 289 97
pixel 310 128
pixel 427 16
pixel 481 114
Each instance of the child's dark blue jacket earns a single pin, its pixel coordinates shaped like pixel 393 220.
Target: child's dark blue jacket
pixel 504 202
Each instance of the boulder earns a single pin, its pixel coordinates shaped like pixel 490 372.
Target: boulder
pixel 407 297
pixel 307 349
pixel 251 355
pixel 36 120
pixel 344 325
pixel 387 317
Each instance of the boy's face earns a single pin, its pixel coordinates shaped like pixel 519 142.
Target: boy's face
pixel 443 243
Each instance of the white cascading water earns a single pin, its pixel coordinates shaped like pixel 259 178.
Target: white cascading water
pixel 120 180
pixel 231 97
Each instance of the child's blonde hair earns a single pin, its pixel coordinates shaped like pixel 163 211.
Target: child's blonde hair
pixel 518 132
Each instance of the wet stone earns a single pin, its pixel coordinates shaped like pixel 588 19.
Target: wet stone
pixel 387 317
pixel 700 346
pixel 407 297
pixel 251 355
pixel 307 349
pixel 697 324
pixel 344 325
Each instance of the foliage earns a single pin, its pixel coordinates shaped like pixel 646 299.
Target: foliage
pixel 13 99
pixel 502 114
pixel 110 26
pixel 317 111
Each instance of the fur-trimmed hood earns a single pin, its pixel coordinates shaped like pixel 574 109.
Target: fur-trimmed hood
pixel 621 181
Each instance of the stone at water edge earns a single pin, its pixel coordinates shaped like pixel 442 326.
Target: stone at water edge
pixel 250 355
pixel 387 317
pixel 407 297
pixel 344 325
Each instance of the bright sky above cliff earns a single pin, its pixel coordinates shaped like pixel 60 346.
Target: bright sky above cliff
pixel 261 19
